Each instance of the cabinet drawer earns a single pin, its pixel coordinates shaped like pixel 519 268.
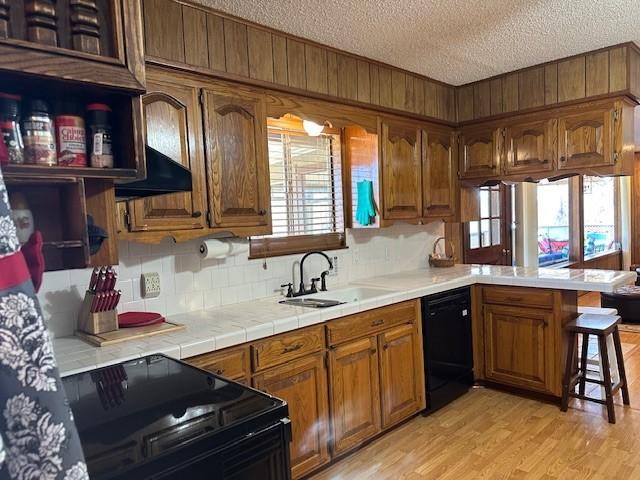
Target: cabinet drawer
pixel 232 363
pixel 372 321
pixel 518 296
pixel 283 348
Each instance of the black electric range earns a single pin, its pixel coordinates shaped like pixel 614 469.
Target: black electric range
pixel 155 417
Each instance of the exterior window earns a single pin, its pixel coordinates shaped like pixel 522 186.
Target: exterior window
pixel 600 206
pixel 553 222
pixel 306 190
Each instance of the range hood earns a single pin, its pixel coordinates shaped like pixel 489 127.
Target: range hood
pixel 164 175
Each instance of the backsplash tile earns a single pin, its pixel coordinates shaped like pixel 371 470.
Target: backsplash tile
pixel 188 283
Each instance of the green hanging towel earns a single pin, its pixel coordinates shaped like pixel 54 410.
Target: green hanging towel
pixel 365 212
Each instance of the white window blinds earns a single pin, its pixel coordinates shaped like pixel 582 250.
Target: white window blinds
pixel 306 183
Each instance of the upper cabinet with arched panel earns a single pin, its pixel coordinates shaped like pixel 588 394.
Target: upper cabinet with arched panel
pixel 173 127
pixel 439 174
pixel 481 149
pixel 401 150
pixel 531 146
pixel 586 138
pixel 237 159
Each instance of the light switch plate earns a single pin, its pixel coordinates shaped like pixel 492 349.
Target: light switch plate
pixel 150 283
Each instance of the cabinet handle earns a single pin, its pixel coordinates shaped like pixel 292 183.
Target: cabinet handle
pixel 219 371
pixel 373 351
pixel 385 346
pixel 563 159
pixel 292 348
pixel 196 214
pixel 377 323
pixel 262 212
pixel 513 299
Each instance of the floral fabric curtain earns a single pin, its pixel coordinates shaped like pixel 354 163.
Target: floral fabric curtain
pixel 38 439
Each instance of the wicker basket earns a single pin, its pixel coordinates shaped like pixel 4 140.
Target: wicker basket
pixel 442 262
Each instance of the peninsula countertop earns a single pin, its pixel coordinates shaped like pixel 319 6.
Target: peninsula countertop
pixel 226 326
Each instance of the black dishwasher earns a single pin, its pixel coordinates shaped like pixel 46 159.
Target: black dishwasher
pixel 448 351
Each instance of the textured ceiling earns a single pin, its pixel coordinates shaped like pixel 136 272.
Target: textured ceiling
pixel 456 41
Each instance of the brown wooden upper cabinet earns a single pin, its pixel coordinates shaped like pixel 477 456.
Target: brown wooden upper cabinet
pixel 480 152
pixel 439 174
pixel 588 138
pixel 401 170
pixel 174 128
pixel 530 147
pixel 236 145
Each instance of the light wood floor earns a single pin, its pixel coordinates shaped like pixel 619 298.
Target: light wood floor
pixel 488 434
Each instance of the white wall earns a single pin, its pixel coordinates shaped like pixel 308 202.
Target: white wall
pixel 526 225
pixel 189 284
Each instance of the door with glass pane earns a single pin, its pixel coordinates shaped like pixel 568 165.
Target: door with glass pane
pixel 488 240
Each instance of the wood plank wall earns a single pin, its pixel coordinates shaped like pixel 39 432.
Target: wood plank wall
pixel 602 72
pixel 181 33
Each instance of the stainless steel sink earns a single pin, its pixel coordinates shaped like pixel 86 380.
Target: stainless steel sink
pixel 311 302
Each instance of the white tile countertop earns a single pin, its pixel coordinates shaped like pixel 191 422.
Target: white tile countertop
pixel 221 327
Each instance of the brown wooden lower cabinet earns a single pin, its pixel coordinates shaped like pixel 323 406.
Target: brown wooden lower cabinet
pixel 354 389
pixel 375 378
pixel 401 386
pixel 519 338
pixel 303 384
pixel 519 346
pixel 232 363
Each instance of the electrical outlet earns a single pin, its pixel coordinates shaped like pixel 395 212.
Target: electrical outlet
pixel 150 283
pixel 334 271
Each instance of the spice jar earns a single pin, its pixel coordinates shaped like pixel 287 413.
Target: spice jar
pixel 70 136
pixel 100 147
pixel 39 140
pixel 10 127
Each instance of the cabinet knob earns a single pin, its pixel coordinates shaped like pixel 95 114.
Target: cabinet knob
pixel 563 159
pixel 196 214
pixel 262 212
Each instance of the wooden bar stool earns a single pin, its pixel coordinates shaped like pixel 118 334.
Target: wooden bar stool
pixel 601 326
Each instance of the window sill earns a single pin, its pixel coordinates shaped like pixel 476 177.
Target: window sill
pixel 601 255
pixel 281 246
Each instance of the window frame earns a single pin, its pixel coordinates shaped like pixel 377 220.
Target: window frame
pixel 616 220
pixel 268 246
pixel 577 257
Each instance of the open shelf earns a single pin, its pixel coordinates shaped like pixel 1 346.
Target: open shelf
pixel 88 172
pixel 60 214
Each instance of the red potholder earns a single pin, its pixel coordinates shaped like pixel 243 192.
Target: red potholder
pixel 138 319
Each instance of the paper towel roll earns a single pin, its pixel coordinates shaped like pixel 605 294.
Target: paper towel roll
pixel 213 248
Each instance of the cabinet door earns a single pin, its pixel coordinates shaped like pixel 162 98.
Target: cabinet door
pixel 531 147
pixel 355 393
pixel 303 384
pixel 173 127
pixel 238 172
pixel 586 139
pixel 401 171
pixel 439 174
pixel 519 346
pixel 401 374
pixel 480 152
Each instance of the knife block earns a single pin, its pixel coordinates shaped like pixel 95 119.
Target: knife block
pixel 96 322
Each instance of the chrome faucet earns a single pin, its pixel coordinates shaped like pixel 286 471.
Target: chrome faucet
pixel 302 290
